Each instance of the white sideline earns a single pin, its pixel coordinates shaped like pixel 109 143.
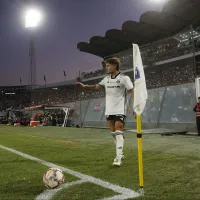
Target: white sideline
pixel 124 193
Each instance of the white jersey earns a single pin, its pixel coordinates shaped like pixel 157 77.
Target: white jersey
pixel 116 93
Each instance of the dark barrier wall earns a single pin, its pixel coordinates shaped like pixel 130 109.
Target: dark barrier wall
pixel 169 107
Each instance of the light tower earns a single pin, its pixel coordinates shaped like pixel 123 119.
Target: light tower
pixel 32 19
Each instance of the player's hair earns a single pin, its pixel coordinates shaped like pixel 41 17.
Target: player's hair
pixel 113 61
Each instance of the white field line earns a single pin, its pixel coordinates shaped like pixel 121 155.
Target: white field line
pixel 125 193
pixel 48 194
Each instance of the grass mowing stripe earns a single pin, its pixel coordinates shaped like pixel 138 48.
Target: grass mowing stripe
pixel 171 164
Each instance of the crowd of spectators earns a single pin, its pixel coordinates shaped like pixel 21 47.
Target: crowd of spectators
pixel 8 101
pixel 98 72
pixel 151 55
pixel 178 73
pixel 173 75
pixel 63 94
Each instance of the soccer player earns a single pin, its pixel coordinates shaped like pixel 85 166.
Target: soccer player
pixel 116 87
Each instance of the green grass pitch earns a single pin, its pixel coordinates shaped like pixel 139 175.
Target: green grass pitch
pixel 171 164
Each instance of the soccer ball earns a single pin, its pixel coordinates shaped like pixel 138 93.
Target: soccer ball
pixel 53 178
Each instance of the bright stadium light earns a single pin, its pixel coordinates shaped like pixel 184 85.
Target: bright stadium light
pixel 32 18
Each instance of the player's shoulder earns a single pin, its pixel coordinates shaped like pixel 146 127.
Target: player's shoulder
pixel 124 76
pixel 107 76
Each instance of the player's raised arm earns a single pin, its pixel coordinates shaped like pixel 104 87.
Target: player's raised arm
pixel 88 87
pixel 91 87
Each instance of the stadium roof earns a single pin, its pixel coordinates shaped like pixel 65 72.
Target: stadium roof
pixel 175 16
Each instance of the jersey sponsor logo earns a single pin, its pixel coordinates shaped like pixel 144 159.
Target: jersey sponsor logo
pixel 115 86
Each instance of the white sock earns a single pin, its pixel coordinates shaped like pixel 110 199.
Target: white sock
pixel 114 136
pixel 119 143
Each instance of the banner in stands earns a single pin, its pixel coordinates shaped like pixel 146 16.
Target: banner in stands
pixel 98 107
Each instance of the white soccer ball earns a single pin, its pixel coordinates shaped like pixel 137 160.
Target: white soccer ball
pixel 53 178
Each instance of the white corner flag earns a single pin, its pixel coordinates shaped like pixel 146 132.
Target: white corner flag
pixel 140 90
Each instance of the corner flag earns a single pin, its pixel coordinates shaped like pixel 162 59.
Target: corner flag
pixel 140 90
pixel 140 98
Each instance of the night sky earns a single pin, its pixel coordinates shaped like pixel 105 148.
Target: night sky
pixel 65 23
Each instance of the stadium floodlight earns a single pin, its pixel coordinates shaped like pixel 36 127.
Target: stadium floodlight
pixel 33 18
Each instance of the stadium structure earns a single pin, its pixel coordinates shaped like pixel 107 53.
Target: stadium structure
pixel 170 46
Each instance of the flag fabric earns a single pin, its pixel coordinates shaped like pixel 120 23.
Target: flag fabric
pixel 140 90
pixel 44 78
pixel 64 72
pixel 20 80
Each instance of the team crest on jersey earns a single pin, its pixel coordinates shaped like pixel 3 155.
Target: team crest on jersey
pixel 137 73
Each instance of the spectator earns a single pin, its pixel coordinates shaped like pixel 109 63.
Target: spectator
pixel 197 110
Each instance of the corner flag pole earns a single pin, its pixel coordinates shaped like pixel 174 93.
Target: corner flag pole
pixel 140 159
pixel 140 98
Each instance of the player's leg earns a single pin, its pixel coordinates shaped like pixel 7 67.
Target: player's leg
pixel 198 125
pixel 111 126
pixel 119 127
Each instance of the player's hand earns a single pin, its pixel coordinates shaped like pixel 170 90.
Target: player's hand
pixel 79 84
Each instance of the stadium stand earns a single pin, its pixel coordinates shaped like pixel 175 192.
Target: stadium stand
pixel 151 55
pixel 14 97
pixel 169 44
pixel 175 73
